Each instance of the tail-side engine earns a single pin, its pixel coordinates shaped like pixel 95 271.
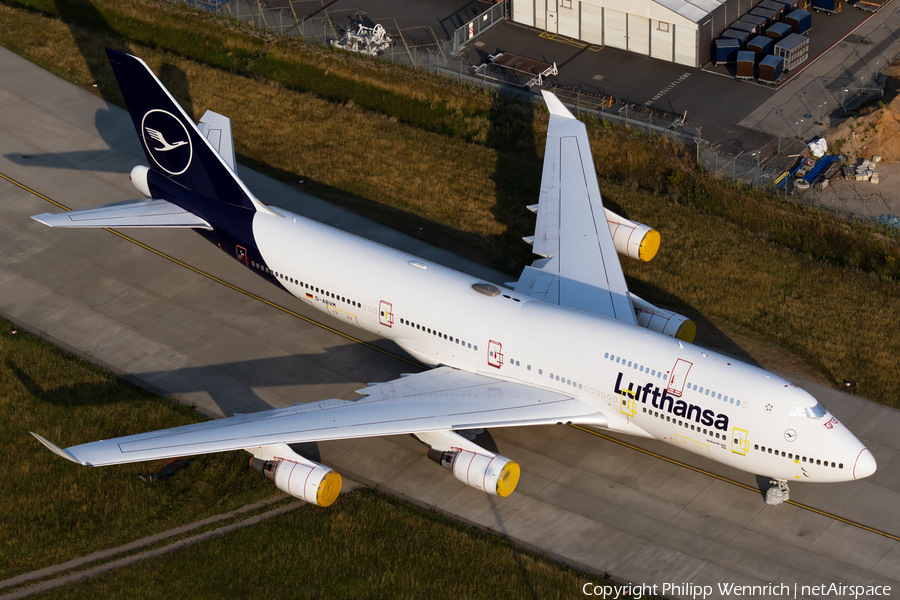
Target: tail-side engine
pixel 472 464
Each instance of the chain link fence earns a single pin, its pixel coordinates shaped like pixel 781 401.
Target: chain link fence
pixel 763 169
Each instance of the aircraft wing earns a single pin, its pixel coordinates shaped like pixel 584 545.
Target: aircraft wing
pixel 151 212
pixel 437 400
pixel 580 268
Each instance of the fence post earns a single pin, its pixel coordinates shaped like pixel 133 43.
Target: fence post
pixel 626 116
pixel 733 169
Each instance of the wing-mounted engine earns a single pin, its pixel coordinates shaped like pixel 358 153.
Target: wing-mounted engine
pixel 472 464
pixel 295 475
pixel 632 239
pixel 663 321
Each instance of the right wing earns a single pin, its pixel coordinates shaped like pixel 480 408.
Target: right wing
pixel 580 268
pixel 437 400
pixel 151 212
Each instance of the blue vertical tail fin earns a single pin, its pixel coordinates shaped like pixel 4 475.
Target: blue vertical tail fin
pixel 175 148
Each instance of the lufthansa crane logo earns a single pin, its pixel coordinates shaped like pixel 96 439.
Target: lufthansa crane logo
pixel 167 141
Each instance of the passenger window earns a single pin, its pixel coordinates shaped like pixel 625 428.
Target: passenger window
pixel 755 446
pixel 818 461
pixel 629 363
pixel 606 355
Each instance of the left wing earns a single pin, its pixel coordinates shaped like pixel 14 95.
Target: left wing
pixel 437 400
pixel 581 269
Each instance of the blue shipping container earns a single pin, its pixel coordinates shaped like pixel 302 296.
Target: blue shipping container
pixel 770 69
pixel 761 45
pixel 725 51
pixel 776 31
pixel 800 21
pixel 736 34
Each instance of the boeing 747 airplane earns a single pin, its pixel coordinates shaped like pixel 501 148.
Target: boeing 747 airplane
pixel 566 343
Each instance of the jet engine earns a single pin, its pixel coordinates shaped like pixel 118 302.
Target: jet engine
pixel 472 464
pixel 631 238
pixel 313 483
pixel 139 179
pixel 663 321
pixel 297 475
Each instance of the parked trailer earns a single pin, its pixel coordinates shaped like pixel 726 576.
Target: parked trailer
pixel 516 70
pixel 761 46
pixel 794 49
pixel 744 24
pixel 725 51
pixel 736 34
pixel 829 7
pixel 746 61
pixel 770 69
pixel 760 22
pixel 769 14
pixel 779 8
pixel 800 21
pixel 870 5
pixel 789 5
pixel 779 31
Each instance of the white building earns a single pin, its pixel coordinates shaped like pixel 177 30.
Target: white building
pixel 679 31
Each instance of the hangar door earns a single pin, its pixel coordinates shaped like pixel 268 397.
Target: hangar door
pixel 686 46
pixel 616 28
pixel 592 24
pixel 568 21
pixel 523 12
pixel 661 40
pixel 639 34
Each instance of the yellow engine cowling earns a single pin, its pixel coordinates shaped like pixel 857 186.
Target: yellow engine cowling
pixel 631 238
pixel 297 475
pixel 663 321
pixel 489 472
pixel 470 463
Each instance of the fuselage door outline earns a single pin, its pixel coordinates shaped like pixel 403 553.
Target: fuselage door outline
pixel 386 314
pixel 495 354
pixel 678 377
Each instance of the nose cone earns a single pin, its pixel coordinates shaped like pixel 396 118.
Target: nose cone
pixel 864 465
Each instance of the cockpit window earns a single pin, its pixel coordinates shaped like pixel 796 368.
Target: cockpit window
pixel 812 412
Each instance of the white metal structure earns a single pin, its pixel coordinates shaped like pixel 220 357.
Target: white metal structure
pixel 370 41
pixel 570 344
pixel 679 31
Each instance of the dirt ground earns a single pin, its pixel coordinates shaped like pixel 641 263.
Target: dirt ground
pixel 873 131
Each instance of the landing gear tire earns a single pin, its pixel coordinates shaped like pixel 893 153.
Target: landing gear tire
pixel 778 493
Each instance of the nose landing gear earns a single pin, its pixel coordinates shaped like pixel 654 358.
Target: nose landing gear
pixel 778 493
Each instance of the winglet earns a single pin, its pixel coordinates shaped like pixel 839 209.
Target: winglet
pixel 555 106
pixel 57 450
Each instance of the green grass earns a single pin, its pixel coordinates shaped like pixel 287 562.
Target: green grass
pixel 457 167
pixel 52 510
pixel 367 545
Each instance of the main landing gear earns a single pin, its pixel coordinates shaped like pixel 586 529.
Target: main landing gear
pixel 778 493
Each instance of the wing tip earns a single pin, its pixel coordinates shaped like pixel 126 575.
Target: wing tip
pixel 56 449
pixel 555 105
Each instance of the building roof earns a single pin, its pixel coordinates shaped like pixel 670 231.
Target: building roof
pixel 693 10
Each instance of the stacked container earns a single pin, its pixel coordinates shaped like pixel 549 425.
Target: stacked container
pixel 794 49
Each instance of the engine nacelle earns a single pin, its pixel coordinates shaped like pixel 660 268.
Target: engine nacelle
pixel 631 238
pixel 139 180
pixel 487 472
pixel 663 321
pixel 312 482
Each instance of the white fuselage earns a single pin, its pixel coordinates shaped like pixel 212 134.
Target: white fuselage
pixel 692 398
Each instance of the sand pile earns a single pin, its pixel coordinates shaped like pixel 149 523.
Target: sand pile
pixel 875 133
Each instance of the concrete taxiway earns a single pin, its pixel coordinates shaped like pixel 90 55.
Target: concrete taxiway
pixel 585 499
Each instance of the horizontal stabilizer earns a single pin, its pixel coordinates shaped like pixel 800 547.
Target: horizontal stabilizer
pixel 149 213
